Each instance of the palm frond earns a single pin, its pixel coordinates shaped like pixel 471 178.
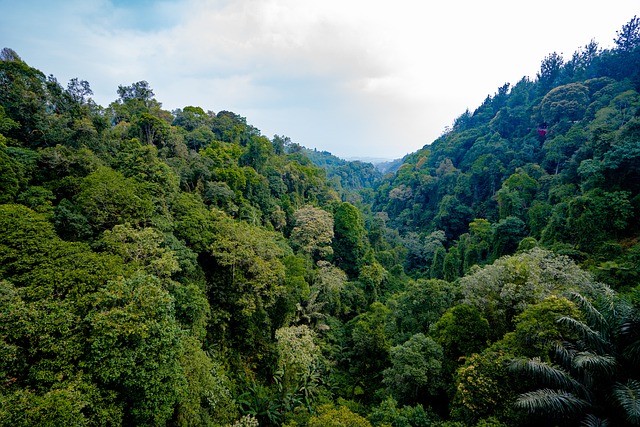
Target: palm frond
pixel 595 362
pixel 630 331
pixel 592 337
pixel 628 397
pixel 552 402
pixel 592 421
pixel 548 374
pixel 591 313
pixel 564 351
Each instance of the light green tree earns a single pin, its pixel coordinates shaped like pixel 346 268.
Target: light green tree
pixel 329 416
pixel 142 247
pixel 508 286
pixel 313 232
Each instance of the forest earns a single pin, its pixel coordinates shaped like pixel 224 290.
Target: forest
pixel 180 268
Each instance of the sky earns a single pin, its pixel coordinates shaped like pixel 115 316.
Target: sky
pixel 357 78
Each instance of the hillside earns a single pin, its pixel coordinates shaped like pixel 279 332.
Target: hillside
pixel 179 268
pixel 551 162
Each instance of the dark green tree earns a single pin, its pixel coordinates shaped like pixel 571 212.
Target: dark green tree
pixel 350 241
pixel 593 375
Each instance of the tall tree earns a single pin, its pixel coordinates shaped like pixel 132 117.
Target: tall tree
pixel 350 243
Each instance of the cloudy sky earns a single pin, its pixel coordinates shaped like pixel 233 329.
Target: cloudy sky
pixel 353 77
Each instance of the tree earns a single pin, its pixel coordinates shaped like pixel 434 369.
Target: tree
pixel 516 195
pixel 422 250
pixel 107 199
pixel 461 331
pixel 565 102
pixel 79 90
pixel 141 247
pixel 350 242
pixel 453 217
pixel 134 344
pixel 418 307
pixel 7 54
pixel 484 387
pixel 205 397
pixel 506 235
pixel 549 71
pixel 297 364
pixel 24 97
pixel 249 271
pixel 369 349
pixel 628 38
pixel 9 178
pixel 436 270
pixel 596 216
pixel 342 417
pixel 137 91
pixel 191 118
pixel 372 277
pixel 151 129
pixel 416 369
pixel 478 249
pixel 508 286
pixel 452 265
pixel 537 328
pixel 593 374
pixel 313 232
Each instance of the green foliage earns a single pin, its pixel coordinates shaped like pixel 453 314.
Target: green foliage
pixel 141 247
pixel 418 307
pixel 594 374
pixel 369 349
pixel 350 243
pixel 341 417
pixel 313 232
pixel 180 268
pixel 388 413
pixel 461 331
pixel 297 354
pixel 506 288
pixel 416 369
pixel 537 328
pixel 9 178
pixel 565 102
pixel 483 388
pixel 249 272
pixel 134 346
pixel 107 198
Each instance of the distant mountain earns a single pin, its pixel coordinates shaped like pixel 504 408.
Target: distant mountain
pixel 372 160
pixel 389 166
pixel 345 175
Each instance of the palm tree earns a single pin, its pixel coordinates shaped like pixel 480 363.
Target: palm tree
pixel 594 377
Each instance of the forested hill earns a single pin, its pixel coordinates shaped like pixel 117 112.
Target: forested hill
pixel 179 268
pixel 346 177
pixel 554 161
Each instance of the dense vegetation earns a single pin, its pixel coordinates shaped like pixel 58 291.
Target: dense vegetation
pixel 182 269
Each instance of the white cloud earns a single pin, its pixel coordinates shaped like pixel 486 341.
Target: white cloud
pixel 349 76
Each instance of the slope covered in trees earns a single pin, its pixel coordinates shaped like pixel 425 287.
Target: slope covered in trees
pixel 554 160
pixel 181 269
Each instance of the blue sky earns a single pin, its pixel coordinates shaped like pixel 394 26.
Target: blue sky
pixel 358 78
